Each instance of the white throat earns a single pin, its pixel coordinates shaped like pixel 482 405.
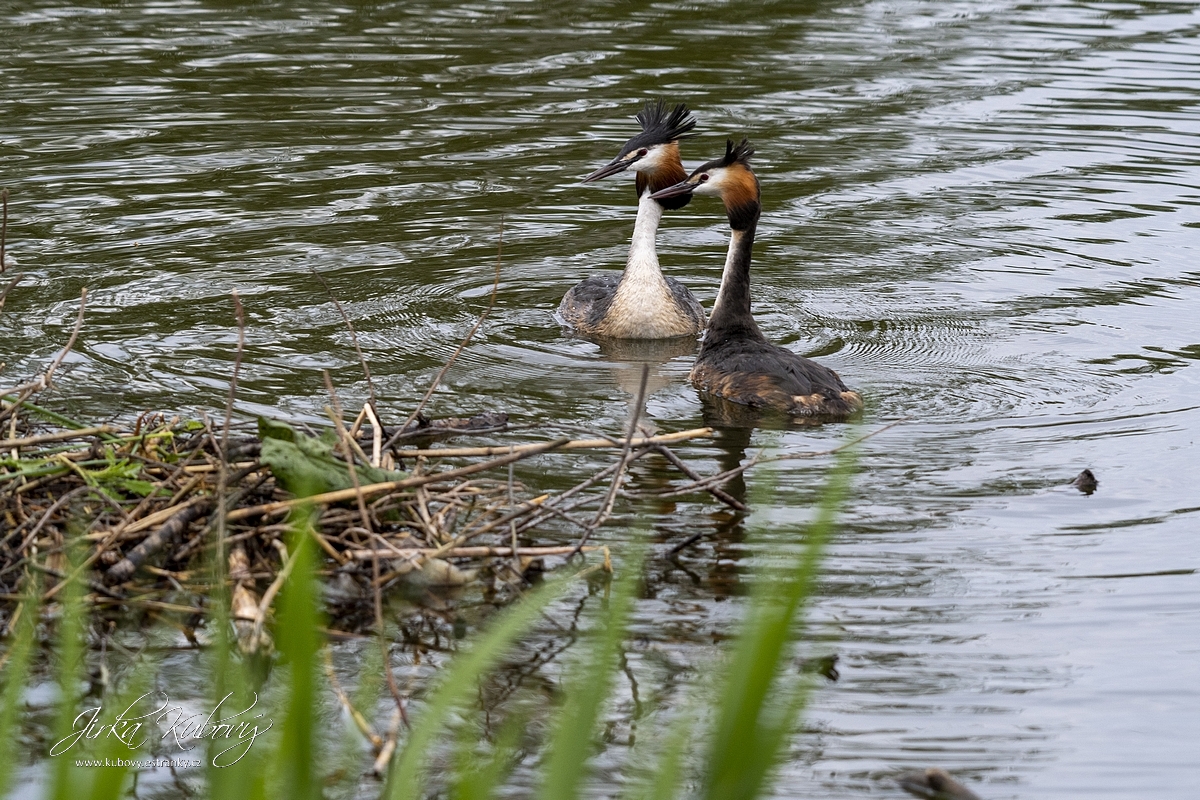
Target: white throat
pixel 642 265
pixel 643 306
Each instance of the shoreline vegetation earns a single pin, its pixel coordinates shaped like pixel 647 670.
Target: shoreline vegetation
pixel 261 546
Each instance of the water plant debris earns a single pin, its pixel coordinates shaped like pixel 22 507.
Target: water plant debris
pixel 146 500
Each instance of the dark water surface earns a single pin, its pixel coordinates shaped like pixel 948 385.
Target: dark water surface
pixel 983 214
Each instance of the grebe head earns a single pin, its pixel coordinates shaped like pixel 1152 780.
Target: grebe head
pixel 654 153
pixel 730 178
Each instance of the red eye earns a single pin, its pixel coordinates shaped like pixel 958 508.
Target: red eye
pixel 703 178
pixel 642 152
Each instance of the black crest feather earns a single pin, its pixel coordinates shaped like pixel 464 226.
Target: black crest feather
pixel 737 153
pixel 668 124
pixel 734 154
pixel 661 124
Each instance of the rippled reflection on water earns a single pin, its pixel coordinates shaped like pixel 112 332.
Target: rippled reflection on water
pixel 982 214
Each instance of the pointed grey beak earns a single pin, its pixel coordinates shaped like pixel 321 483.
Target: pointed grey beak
pixel 618 165
pixel 683 187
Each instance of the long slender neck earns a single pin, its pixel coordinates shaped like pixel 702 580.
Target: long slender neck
pixel 642 269
pixel 731 311
pixel 642 264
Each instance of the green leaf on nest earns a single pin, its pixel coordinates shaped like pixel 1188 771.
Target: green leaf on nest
pixel 305 465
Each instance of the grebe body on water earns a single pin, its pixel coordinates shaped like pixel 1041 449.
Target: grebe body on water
pixel 641 302
pixel 736 362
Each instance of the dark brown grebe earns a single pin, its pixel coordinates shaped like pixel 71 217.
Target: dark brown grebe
pixel 641 303
pixel 736 362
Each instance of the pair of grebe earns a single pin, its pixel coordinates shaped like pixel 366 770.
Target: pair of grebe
pixel 735 362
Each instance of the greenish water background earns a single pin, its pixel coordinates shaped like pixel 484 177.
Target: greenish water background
pixel 983 214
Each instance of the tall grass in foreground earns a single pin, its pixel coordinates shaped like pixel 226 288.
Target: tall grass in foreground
pixel 723 741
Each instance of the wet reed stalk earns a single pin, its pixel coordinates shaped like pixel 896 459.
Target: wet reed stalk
pixel 462 346
pixel 353 335
pixel 3 231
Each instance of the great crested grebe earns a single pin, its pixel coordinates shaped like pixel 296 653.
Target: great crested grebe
pixel 641 303
pixel 736 362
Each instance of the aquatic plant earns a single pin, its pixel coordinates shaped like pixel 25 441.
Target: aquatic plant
pixel 725 739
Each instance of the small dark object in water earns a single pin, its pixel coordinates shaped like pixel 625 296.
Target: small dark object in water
pixel 1085 482
pixel 822 665
pixel 935 784
pixel 488 420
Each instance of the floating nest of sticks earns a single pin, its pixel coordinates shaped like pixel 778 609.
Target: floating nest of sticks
pixel 149 505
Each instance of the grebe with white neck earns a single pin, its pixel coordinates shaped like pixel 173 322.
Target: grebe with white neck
pixel 641 302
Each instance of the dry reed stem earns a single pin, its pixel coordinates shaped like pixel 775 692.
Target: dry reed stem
pixel 349 446
pixel 348 442
pixel 417 561
pixel 721 477
pixel 3 234
pixel 111 539
pixel 200 469
pixel 45 518
pixel 326 546
pixel 558 501
pixel 376 438
pixel 383 760
pixel 223 449
pixel 610 498
pixel 437 379
pixel 4 294
pixel 573 444
pixel 359 720
pixel 158 605
pixel 244 604
pixel 45 380
pixel 62 576
pixel 148 521
pixel 353 334
pixel 389 486
pixel 60 435
pixel 716 492
pixel 558 512
pixel 240 315
pixel 174 528
pixel 260 615
pixel 465 552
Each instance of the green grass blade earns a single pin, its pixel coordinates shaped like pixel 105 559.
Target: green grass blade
pixel 750 731
pixel 15 674
pixel 573 734
pixel 298 636
pixel 234 687
pixel 63 783
pixel 667 776
pixel 107 782
pixel 478 778
pixel 775 730
pixel 407 775
pixel 47 414
pixel 348 760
